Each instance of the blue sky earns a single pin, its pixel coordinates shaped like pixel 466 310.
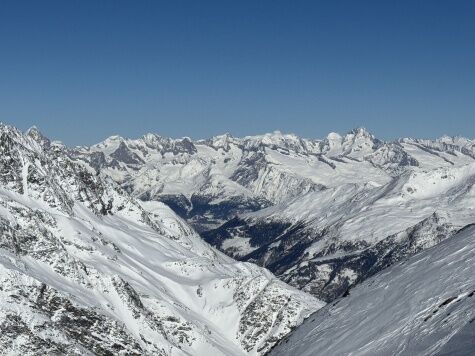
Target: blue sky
pixel 84 70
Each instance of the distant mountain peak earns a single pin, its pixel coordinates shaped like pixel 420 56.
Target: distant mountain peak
pixel 361 131
pixel 334 136
pixel 38 136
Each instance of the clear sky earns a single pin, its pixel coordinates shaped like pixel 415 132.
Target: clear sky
pixel 84 70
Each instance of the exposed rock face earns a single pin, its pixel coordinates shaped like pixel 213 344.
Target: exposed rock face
pixel 87 269
pixel 124 155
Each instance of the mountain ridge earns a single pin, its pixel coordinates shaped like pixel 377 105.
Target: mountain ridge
pixel 249 196
pixel 86 268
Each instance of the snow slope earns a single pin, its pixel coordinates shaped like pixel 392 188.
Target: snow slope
pixel 423 306
pixel 87 269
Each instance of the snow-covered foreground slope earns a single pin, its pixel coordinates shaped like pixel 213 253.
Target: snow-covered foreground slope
pixel 86 269
pixel 424 306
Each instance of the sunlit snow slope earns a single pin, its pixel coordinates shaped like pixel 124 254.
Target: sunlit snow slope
pixel 424 306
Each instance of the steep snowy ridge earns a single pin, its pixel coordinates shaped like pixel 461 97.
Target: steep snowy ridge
pixel 85 268
pixel 423 306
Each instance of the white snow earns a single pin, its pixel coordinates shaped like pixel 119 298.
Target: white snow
pixel 422 306
pixel 24 174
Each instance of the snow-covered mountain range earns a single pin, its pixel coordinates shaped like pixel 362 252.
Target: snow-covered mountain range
pixel 87 269
pixel 152 245
pixel 322 215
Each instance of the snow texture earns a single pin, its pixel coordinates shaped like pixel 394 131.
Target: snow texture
pixel 423 306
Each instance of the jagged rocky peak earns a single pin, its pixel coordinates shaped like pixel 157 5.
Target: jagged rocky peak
pixel 164 145
pixel 360 141
pixel 356 132
pixel 183 145
pixel 11 134
pixel 38 136
pixel 220 142
pixel 125 155
pixel 357 143
pixel 361 132
pixel 13 143
pixel 448 139
pixel 456 140
pixel 392 158
pixel 6 141
pixel 32 139
pixel 154 141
